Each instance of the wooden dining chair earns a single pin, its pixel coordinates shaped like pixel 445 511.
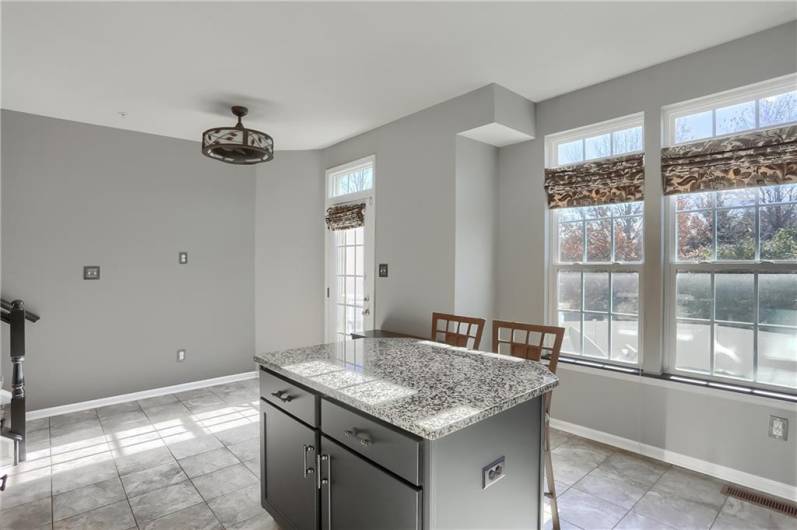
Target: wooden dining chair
pixel 456 330
pixel 533 342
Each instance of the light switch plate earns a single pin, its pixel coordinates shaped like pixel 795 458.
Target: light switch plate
pixel 779 428
pixel 91 272
pixel 182 258
pixel 493 472
pixel 383 270
pixel 180 356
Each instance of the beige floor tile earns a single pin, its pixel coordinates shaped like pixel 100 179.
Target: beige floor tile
pixel 610 487
pixel 634 521
pixel 237 506
pixel 32 515
pixel 27 487
pixel 165 501
pixel 87 498
pixel 83 472
pixel 693 486
pixel 676 511
pixel 153 478
pixel 196 517
pixel 208 462
pixel 739 514
pixel 589 512
pixel 115 516
pixel 224 481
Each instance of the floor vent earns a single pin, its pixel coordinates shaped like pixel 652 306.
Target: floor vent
pixel 762 500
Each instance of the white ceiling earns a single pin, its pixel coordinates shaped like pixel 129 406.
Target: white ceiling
pixel 314 74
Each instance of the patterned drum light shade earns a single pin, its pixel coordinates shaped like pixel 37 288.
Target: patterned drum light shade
pixel 237 145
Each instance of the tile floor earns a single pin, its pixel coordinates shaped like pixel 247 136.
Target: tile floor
pixel 600 487
pixel 190 461
pixel 181 461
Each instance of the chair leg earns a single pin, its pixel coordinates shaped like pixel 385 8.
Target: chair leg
pixel 551 494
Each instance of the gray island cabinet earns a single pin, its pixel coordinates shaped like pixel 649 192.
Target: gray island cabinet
pixel 389 434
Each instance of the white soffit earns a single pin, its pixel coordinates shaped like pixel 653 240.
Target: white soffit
pixel 496 134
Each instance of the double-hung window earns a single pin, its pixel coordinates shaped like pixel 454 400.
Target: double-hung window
pixel 731 287
pixel 596 239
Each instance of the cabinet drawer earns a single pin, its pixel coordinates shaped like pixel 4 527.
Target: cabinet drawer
pixel 400 453
pixel 290 397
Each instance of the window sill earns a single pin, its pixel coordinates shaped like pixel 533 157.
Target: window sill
pixel 670 380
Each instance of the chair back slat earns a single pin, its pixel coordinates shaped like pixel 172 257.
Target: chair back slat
pixel 457 330
pixel 529 341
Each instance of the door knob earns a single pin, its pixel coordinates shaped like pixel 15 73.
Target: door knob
pixel 366 311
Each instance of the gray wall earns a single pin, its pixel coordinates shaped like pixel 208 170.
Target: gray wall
pixel 476 204
pixel 716 429
pixel 415 205
pixel 75 194
pixel 289 251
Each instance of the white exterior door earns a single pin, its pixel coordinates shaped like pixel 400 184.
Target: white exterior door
pixel 350 254
pixel 350 280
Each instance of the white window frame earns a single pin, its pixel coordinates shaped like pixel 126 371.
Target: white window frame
pixel 553 141
pixel 673 267
pixel 369 197
pixel 712 102
pixel 348 167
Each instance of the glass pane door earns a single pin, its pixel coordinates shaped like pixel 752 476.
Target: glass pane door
pixel 349 287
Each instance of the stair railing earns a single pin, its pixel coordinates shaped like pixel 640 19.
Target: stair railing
pixel 15 315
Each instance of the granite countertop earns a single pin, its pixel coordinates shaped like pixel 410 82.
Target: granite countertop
pixel 427 388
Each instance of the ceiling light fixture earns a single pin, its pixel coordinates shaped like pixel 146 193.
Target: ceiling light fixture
pixel 237 145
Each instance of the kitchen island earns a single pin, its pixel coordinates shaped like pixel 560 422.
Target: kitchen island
pixel 401 434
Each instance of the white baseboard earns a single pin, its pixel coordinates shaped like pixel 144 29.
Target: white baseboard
pixel 134 396
pixel 772 487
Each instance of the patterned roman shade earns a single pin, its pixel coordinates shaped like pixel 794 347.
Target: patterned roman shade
pixel 761 158
pixel 615 180
pixel 345 216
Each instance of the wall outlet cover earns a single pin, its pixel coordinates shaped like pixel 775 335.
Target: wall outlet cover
pixel 180 356
pixel 91 272
pixel 778 428
pixel 493 472
pixel 383 270
pixel 182 258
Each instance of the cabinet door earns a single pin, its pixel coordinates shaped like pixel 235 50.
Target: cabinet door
pixel 289 483
pixel 357 494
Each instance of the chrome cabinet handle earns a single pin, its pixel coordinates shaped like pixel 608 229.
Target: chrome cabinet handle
pixel 327 482
pixel 283 396
pixel 307 470
pixel 362 437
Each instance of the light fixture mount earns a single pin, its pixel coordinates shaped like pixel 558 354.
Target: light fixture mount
pixel 237 144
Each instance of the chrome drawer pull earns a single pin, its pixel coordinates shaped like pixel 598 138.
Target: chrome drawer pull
pixel 283 396
pixel 363 438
